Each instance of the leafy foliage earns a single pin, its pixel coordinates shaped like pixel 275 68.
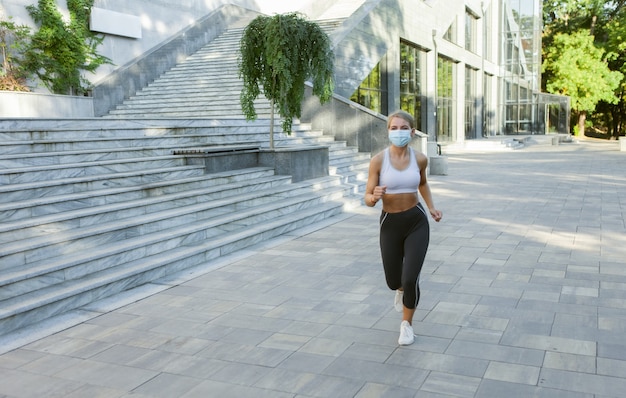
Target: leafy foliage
pixel 578 70
pixel 613 33
pixel 13 41
pixel 278 54
pixel 603 23
pixel 60 51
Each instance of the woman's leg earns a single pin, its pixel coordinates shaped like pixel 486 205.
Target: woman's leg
pixel 415 248
pixel 392 249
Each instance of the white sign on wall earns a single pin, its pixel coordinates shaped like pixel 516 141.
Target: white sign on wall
pixel 115 23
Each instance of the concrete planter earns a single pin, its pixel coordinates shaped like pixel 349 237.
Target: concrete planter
pixel 20 104
pixel 301 163
pixel 438 165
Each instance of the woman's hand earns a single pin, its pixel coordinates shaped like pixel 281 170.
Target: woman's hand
pixel 378 193
pixel 435 214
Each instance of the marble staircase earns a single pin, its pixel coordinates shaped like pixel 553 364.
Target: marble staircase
pixel 205 85
pixel 88 213
pixel 90 208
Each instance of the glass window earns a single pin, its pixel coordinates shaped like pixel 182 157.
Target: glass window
pixel 521 33
pixel 372 93
pixel 412 61
pixel 445 100
pixel 470 31
pixel 449 34
pixel 487 34
pixel 488 107
pixel 470 103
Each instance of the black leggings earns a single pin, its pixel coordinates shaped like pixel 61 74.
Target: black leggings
pixel 404 241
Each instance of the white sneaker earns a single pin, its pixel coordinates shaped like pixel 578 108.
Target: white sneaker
pixel 407 337
pixel 397 301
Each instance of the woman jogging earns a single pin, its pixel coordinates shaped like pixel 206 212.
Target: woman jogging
pixel 396 174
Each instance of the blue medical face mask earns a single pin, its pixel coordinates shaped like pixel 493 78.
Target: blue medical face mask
pixel 400 137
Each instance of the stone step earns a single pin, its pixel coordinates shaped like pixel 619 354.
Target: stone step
pixel 214 70
pixel 33 174
pixel 347 167
pixel 31 153
pixel 350 155
pixel 191 95
pixel 42 189
pixel 58 144
pixel 199 73
pixel 48 204
pixel 198 105
pixel 194 84
pixel 70 150
pixel 39 217
pixel 156 112
pixel 121 275
pixel 242 130
pixel 204 69
pixel 48 173
pixel 205 218
pixel 97 124
pixel 199 109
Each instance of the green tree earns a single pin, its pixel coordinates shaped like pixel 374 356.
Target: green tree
pixel 61 51
pixel 278 54
pixel 613 34
pixel 601 21
pixel 578 70
pixel 13 42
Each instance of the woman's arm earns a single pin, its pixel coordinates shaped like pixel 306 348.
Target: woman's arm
pixel 424 188
pixel 374 192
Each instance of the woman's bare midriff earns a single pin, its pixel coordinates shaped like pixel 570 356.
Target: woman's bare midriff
pixel 399 202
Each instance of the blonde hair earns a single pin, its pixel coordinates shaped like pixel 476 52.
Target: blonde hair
pixel 403 115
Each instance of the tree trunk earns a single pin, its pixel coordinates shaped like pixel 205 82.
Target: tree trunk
pixel 582 117
pixel 616 125
pixel 272 124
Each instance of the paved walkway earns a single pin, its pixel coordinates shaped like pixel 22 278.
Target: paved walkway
pixel 524 294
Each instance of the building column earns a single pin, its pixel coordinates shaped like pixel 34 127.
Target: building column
pixel 393 76
pixel 431 89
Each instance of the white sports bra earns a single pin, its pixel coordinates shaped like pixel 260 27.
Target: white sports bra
pixel 400 181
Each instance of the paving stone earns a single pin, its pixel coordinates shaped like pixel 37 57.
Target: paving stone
pixel 167 385
pixel 494 388
pixel 115 376
pixel 582 382
pixel 512 372
pixel 374 390
pixel 523 295
pixel 570 362
pixel 452 385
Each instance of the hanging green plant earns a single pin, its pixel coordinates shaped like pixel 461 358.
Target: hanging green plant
pixel 60 51
pixel 278 55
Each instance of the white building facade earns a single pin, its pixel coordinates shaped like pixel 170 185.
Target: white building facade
pixel 466 69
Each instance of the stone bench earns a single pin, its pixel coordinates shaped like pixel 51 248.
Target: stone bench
pixel 557 139
pixel 437 163
pixel 221 157
pixel 300 162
